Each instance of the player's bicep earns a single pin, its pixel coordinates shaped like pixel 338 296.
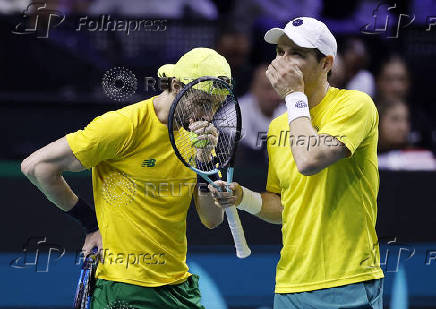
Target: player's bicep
pixel 66 160
pixel 55 157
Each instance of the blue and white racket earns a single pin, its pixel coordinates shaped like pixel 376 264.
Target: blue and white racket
pixel 85 285
pixel 209 99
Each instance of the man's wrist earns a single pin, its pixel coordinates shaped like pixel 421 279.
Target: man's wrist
pixel 251 201
pixel 297 106
pixel 85 215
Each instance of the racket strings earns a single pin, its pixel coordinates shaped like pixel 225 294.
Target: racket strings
pixel 206 101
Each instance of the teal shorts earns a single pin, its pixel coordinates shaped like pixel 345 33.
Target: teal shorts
pixel 362 295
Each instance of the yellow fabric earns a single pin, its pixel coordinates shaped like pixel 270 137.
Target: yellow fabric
pixel 329 236
pixel 142 193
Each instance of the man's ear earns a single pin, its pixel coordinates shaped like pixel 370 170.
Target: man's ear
pixel 176 86
pixel 327 64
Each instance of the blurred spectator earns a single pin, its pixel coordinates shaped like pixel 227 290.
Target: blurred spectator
pixel 337 77
pixel 235 47
pixel 355 59
pixel 156 8
pixel 65 6
pixel 246 12
pixel 394 126
pixel 395 150
pixel 258 107
pixel 74 6
pixel 393 81
pixel 16 6
pixel 288 9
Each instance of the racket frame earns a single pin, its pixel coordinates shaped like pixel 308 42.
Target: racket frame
pixel 242 249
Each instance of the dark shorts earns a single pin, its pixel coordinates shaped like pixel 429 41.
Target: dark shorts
pixel 112 295
pixel 362 295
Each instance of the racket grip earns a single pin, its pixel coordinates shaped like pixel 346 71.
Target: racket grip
pixel 242 249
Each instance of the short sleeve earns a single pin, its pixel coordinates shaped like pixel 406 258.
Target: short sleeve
pixel 272 182
pixel 351 120
pixel 106 137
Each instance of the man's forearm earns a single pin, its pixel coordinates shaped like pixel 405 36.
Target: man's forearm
pixel 266 206
pixel 53 185
pixel 210 215
pixel 318 150
pixel 307 153
pixel 271 208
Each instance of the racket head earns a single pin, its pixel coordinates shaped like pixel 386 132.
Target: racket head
pixel 211 99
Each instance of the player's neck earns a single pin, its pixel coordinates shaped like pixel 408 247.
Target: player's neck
pixel 318 93
pixel 162 104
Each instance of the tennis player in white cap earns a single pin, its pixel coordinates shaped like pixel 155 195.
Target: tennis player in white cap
pixel 322 178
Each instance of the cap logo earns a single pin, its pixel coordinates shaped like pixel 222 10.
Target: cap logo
pixel 297 22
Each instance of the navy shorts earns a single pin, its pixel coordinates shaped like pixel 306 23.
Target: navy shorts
pixel 366 294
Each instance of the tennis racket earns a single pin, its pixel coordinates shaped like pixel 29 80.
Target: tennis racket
pixel 209 100
pixel 85 285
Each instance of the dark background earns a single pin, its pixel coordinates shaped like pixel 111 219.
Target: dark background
pixel 50 87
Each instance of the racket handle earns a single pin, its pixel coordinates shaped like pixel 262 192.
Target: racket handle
pixel 242 249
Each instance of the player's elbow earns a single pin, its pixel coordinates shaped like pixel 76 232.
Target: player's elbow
pixel 34 168
pixel 308 166
pixel 212 223
pixel 28 167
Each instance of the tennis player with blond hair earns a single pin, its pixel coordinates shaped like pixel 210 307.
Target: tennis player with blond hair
pixel 322 178
pixel 142 193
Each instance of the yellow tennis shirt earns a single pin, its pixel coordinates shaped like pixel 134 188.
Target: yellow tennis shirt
pixel 329 236
pixel 142 193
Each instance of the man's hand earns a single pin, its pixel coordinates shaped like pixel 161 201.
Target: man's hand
pixel 285 77
pixel 226 199
pixel 92 240
pixel 206 132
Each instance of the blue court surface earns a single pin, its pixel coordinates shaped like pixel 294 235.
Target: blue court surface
pixel 226 281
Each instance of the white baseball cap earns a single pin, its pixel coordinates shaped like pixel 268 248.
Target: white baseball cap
pixel 306 32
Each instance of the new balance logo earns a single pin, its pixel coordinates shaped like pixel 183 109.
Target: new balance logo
pixel 148 163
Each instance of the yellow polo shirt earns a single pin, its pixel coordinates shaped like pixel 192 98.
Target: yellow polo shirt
pixel 142 193
pixel 329 236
